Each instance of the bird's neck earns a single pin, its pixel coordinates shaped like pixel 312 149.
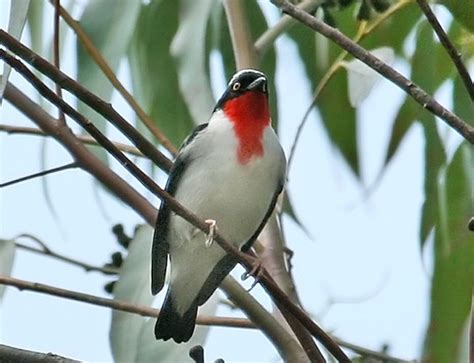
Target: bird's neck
pixel 250 117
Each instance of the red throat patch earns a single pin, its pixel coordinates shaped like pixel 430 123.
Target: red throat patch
pixel 250 115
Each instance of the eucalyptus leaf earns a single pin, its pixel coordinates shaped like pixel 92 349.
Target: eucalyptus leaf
pixel 361 78
pixel 189 49
pixel 154 70
pixel 110 26
pixel 430 68
pixel 133 286
pixel 7 256
pixel 16 22
pixel 453 279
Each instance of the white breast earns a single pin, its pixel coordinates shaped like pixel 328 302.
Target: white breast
pixel 216 186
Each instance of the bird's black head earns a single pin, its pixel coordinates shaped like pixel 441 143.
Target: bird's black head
pixel 242 82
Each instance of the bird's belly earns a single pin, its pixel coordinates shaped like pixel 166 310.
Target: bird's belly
pixel 237 198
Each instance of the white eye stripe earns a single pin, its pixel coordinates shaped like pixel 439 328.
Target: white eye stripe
pixel 239 73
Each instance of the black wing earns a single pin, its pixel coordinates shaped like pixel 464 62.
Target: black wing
pixel 227 263
pixel 160 247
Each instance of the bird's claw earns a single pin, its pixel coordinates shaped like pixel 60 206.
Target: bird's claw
pixel 212 231
pixel 256 272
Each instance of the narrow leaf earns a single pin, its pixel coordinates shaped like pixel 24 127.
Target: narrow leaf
pixel 109 25
pixel 453 279
pixel 7 256
pixel 16 22
pixel 154 70
pixel 133 286
pixel 362 79
pixel 189 49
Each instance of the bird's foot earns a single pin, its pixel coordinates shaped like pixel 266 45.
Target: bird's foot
pixel 256 272
pixel 212 231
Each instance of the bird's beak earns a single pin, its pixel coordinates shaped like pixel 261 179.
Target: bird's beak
pixel 260 84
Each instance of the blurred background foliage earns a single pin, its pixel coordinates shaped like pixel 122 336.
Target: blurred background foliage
pixel 168 46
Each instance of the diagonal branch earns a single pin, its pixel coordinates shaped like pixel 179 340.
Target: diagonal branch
pixel 417 93
pixel 448 45
pixel 103 108
pixel 85 139
pixel 247 261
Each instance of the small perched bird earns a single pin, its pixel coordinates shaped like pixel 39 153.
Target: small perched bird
pixel 228 172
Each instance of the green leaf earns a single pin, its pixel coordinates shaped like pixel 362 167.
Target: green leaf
pixel 189 49
pixel 462 104
pixel 430 68
pixel 462 11
pixel 361 78
pixel 110 26
pixel 453 279
pixel 133 286
pixel 7 256
pixel 35 25
pixel 154 70
pixel 435 160
pixel 16 22
pixel 333 100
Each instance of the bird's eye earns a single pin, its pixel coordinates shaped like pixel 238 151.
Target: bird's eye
pixel 236 86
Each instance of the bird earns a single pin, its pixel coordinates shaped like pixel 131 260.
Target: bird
pixel 229 172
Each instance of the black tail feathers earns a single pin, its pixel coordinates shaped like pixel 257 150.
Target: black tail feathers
pixel 171 324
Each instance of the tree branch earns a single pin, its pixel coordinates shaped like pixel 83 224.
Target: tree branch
pixel 12 354
pixel 116 304
pixel 103 108
pixel 418 94
pixel 85 139
pixel 245 54
pixel 450 49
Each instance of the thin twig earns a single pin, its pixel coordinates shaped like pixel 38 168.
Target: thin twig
pixel 417 93
pixel 46 251
pixel 247 261
pixel 103 65
pixel 448 45
pixel 85 139
pixel 56 38
pixel 117 304
pixel 103 108
pixel 40 174
pixel 266 40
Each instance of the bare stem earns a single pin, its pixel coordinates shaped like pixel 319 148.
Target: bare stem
pixel 40 174
pixel 448 45
pixel 85 139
